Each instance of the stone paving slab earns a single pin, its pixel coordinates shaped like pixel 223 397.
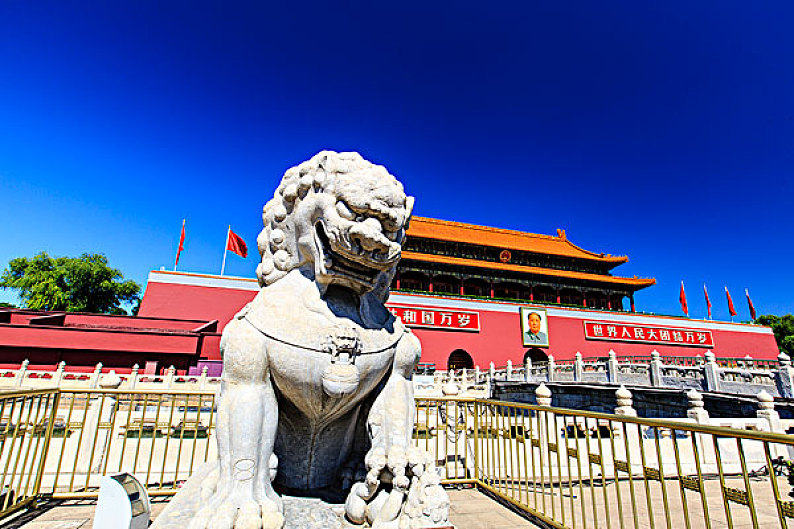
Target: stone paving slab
pixel 470 509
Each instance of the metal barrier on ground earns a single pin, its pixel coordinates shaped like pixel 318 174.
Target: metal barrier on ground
pixel 567 468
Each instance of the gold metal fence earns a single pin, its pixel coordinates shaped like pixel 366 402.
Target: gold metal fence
pixel 567 468
pixel 160 437
pixel 26 421
pixel 572 468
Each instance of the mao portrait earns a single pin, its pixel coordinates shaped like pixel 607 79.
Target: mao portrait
pixel 534 327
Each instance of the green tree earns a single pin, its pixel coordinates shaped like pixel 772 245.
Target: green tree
pixel 782 328
pixel 75 284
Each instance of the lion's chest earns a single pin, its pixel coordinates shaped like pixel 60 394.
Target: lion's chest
pixel 312 350
pixel 298 375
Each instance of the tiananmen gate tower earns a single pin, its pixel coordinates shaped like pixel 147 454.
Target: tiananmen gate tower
pixel 472 294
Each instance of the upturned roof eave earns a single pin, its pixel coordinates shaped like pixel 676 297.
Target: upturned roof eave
pixel 634 283
pixel 423 227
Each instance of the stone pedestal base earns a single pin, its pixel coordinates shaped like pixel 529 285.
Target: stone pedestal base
pixel 299 513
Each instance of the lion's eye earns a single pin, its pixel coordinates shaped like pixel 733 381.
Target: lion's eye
pixel 344 211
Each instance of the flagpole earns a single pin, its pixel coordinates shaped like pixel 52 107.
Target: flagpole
pixel 226 249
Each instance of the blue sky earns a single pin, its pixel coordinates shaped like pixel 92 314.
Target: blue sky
pixel 664 131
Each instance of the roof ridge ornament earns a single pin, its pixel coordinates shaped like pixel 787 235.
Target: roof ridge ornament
pixel 561 234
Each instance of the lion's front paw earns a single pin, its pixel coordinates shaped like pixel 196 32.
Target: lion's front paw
pixel 380 498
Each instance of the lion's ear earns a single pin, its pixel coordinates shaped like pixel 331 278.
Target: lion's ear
pixel 409 207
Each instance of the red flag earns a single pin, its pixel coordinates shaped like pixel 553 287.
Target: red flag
pixel 236 244
pixel 682 299
pixel 181 244
pixel 730 303
pixel 750 303
pixel 708 301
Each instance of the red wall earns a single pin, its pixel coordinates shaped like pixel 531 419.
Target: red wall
pixel 498 340
pixel 165 300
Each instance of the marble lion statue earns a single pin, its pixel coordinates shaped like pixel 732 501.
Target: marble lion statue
pixel 316 389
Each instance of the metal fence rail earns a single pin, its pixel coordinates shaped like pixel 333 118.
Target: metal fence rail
pixel 26 421
pixel 568 468
pixel 160 437
pixel 573 468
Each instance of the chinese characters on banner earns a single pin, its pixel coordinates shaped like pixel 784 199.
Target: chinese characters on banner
pixel 599 330
pixel 455 320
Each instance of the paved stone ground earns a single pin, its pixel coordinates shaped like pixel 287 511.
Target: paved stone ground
pixel 470 510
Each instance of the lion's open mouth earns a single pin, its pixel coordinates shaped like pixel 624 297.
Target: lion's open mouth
pixel 335 263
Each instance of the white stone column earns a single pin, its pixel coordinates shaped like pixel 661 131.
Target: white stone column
pixel 578 367
pixel 169 377
pixel 95 376
pixel 613 369
pixel 711 373
pixel 771 423
pixel 133 382
pixel 625 402
pixel 22 373
pixel 696 410
pixel 784 377
pixel 543 395
pixel 203 378
pixel 655 371
pixel 58 377
pixel 100 410
pixel 766 411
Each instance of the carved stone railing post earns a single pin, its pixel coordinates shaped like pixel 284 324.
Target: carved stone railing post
pixel 22 373
pixel 613 368
pixel 527 369
pixel 711 373
pixel 578 368
pixel 543 395
pixel 509 371
pixel 766 410
pixel 95 376
pixel 552 367
pixel 784 377
pixel 625 402
pixel 133 377
pixel 656 369
pixel 696 410
pixel 491 373
pixel 101 408
pixel 771 421
pixel 464 379
pixel 203 378
pixel 477 374
pixel 547 432
pixel 58 377
pixel 169 377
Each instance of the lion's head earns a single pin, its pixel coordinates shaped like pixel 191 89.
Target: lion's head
pixel 338 217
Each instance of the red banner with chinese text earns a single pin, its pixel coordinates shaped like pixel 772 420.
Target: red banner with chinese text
pixel 618 332
pixel 455 320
